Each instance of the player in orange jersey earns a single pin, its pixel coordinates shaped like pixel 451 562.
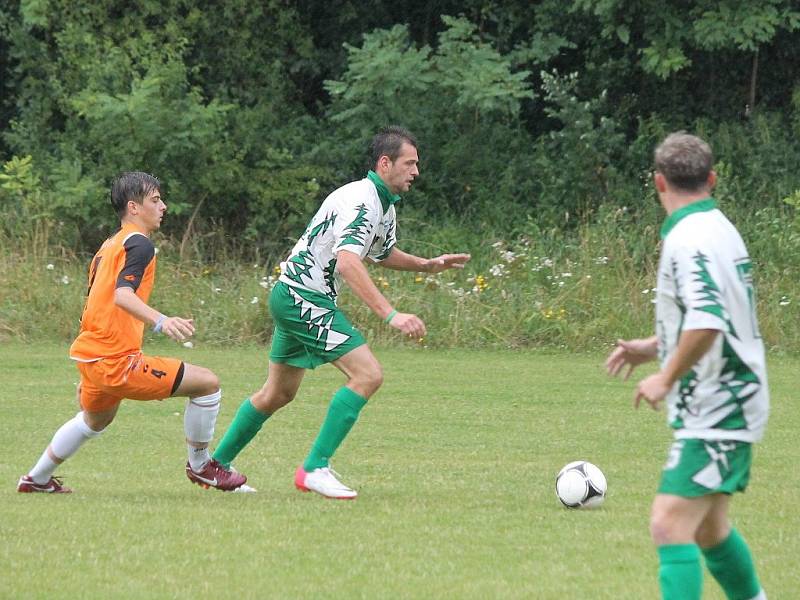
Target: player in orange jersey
pixel 108 352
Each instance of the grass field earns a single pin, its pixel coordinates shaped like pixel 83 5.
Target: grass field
pixel 454 461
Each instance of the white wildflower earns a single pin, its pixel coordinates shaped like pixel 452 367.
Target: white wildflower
pixel 498 270
pixel 50 266
pixel 65 280
pixel 188 345
pixel 254 300
pixel 508 256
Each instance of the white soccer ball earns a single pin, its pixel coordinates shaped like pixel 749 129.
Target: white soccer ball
pixel 580 484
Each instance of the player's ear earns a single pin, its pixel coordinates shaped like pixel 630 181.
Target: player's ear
pixel 660 182
pixel 712 180
pixel 384 162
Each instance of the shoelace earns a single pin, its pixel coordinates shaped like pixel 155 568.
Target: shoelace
pixel 58 481
pixel 336 476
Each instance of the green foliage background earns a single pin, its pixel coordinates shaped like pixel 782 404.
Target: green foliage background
pixel 536 120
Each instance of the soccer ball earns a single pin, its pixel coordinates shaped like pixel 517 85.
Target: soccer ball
pixel 580 484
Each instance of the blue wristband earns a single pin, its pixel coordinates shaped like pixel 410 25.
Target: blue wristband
pixel 159 323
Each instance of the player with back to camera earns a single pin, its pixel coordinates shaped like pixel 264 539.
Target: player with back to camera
pixel 356 222
pixel 712 376
pixel 108 352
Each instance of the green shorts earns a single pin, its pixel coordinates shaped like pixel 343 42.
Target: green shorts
pixel 701 467
pixel 309 328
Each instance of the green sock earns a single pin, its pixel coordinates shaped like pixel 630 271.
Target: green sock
pixel 245 425
pixel 731 564
pixel 680 573
pixel 342 414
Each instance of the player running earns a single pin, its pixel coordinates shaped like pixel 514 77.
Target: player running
pixel 356 222
pixel 108 352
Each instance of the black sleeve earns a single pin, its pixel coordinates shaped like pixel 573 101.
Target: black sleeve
pixel 139 251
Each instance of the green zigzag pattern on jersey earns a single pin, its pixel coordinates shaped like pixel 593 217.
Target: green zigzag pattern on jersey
pixel 322 227
pixel 389 233
pixel 710 293
pixel 299 266
pixel 356 232
pixel 330 276
pixel 738 380
pixel 686 387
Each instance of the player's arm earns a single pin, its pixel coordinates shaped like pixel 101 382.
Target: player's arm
pixel 177 328
pixel 139 251
pixel 355 274
pixel 692 346
pixel 402 261
pixel 631 353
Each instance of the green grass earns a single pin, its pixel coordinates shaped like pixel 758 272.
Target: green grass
pixel 454 461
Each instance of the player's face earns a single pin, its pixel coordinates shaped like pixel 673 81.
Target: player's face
pixel 151 210
pixel 403 170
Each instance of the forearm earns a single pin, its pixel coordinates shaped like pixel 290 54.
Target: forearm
pixel 128 301
pixel 402 261
pixel 650 346
pixel 356 276
pixel 692 346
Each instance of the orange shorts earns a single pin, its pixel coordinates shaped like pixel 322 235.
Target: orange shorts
pixel 105 382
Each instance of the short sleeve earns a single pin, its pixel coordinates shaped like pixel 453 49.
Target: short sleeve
pixel 139 251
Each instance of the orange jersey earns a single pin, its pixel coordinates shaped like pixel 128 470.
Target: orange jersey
pixel 126 259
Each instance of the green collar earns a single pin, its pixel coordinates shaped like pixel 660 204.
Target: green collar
pixel 387 197
pixel 699 206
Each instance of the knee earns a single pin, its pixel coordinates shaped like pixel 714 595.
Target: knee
pixel 96 422
pixel 268 400
pixel 208 381
pixel 660 528
pixel 370 380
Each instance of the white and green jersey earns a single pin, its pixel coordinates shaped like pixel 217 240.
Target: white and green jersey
pixel 358 217
pixel 705 282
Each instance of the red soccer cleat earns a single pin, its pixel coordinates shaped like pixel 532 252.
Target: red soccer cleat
pixel 27 485
pixel 216 476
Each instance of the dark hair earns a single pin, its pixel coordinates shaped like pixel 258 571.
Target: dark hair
pixel 387 142
pixel 132 185
pixel 685 161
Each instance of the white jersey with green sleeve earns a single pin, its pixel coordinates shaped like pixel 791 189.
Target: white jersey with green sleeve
pixel 351 218
pixel 705 282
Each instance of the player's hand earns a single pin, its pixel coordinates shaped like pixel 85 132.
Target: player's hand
pixel 177 328
pixel 630 353
pixel 652 389
pixel 409 324
pixel 446 261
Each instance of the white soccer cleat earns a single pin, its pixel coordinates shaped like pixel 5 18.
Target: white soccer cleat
pixel 245 489
pixel 324 481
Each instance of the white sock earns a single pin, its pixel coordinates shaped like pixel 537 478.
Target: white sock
pixel 66 441
pixel 198 458
pixel 198 423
